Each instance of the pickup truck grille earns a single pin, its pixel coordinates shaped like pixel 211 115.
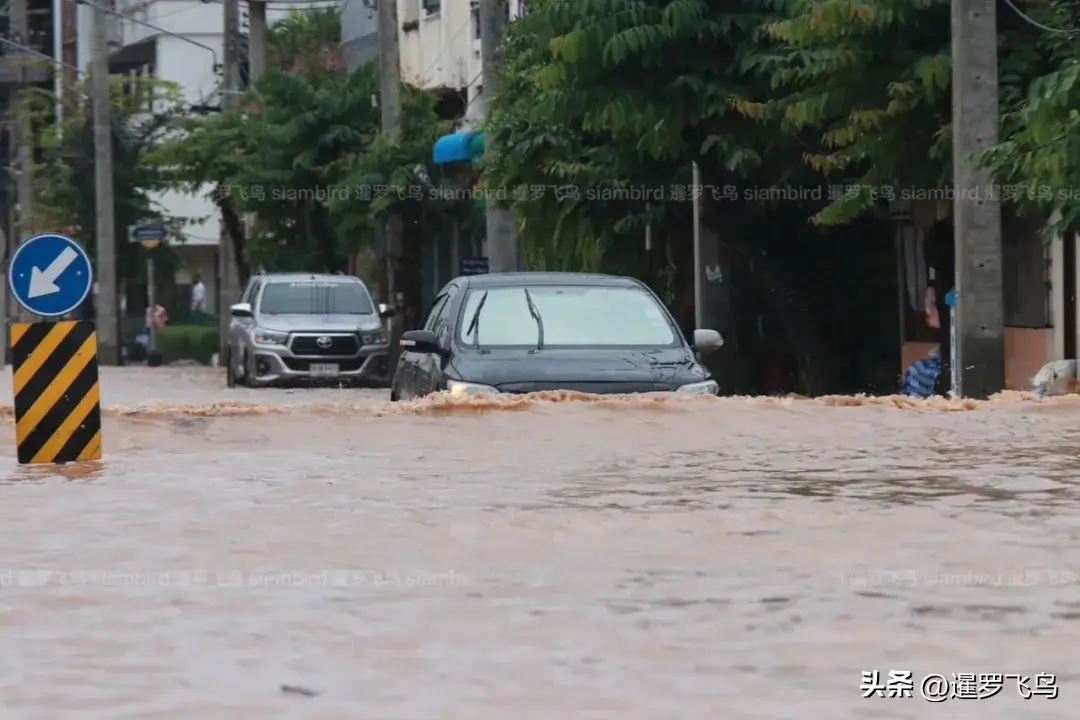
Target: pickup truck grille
pixel 340 345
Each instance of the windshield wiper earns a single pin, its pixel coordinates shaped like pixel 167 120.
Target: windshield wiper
pixel 536 316
pixel 474 324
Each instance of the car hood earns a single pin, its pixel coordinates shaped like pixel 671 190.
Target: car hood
pixel 319 323
pixel 584 370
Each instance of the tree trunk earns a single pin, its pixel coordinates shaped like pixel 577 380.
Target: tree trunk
pixel 234 228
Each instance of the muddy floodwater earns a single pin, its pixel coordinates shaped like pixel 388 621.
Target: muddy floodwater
pixel 324 554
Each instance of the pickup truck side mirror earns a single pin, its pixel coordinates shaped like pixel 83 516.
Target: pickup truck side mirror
pixel 241 310
pixel 386 311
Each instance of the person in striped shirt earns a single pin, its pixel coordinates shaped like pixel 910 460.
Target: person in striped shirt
pixel 921 377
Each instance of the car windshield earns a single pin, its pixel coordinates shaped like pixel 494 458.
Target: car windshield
pixel 315 298
pixel 572 316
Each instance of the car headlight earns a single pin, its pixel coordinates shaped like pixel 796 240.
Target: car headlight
pixel 377 337
pixel 458 388
pixel 270 337
pixel 709 387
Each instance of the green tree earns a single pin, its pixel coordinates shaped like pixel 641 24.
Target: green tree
pixel 605 95
pixel 1038 159
pixel 304 154
pixel 143 110
pixel 867 87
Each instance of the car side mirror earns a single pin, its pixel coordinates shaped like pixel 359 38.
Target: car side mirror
pixel 241 310
pixel 420 341
pixel 386 311
pixel 707 341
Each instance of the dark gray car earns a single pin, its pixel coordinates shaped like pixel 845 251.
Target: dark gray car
pixel 293 327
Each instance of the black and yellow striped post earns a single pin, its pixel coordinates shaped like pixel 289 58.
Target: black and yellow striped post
pixel 57 396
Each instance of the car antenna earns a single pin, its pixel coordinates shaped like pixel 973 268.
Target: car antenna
pixel 474 324
pixel 536 316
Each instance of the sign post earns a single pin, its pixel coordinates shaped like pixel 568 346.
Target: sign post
pixel 55 364
pixel 150 236
pixel 954 350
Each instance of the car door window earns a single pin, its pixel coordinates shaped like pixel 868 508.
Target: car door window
pixel 441 321
pixel 251 292
pixel 433 314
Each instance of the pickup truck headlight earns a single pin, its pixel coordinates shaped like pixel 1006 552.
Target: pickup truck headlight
pixel 709 387
pixel 270 337
pixel 458 388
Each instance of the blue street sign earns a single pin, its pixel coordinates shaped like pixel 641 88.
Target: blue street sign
pixel 50 275
pixel 473 266
pixel 148 232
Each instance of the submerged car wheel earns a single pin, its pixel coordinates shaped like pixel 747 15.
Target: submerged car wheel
pixel 230 372
pixel 249 371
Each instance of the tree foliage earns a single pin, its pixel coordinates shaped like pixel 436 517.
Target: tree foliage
pixel 305 154
pixel 65 198
pixel 1038 159
pixel 867 85
pixel 601 96
pixel 759 92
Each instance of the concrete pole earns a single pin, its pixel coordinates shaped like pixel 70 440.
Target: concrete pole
pixel 699 268
pixel 258 33
pixel 257 39
pixel 24 137
pixel 228 277
pixel 24 141
pixel 108 296
pixel 980 309
pixel 504 251
pixel 390 109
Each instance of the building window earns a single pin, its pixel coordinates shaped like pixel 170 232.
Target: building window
pixel 475 13
pixel 432 6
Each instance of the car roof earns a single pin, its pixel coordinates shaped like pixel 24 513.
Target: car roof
pixel 310 277
pixel 517 279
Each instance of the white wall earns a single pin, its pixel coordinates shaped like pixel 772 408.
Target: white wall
pixel 444 51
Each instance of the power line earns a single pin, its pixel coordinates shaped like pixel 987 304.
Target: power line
pixel 1034 23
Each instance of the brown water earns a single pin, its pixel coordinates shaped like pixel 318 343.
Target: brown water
pixel 630 558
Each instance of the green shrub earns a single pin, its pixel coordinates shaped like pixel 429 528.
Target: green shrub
pixel 188 342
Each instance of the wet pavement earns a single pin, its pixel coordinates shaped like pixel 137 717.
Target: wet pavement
pixel 537 557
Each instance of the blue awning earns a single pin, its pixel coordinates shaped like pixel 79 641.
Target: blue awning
pixel 459 147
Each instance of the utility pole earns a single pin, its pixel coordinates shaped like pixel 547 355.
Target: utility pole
pixel 108 296
pixel 699 267
pixel 980 312
pixel 390 108
pixel 257 41
pixel 257 38
pixel 504 253
pixel 24 138
pixel 228 278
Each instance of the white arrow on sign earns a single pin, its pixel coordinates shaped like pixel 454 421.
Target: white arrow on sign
pixel 43 282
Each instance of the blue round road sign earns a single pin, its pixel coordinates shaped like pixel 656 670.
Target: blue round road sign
pixel 50 275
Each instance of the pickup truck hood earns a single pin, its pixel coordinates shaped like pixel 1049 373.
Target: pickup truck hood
pixel 320 323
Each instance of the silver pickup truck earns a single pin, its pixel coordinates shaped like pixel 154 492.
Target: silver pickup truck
pixel 302 327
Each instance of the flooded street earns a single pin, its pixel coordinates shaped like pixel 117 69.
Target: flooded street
pixel 634 558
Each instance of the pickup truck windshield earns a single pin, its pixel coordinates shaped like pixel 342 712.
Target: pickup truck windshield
pixel 314 298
